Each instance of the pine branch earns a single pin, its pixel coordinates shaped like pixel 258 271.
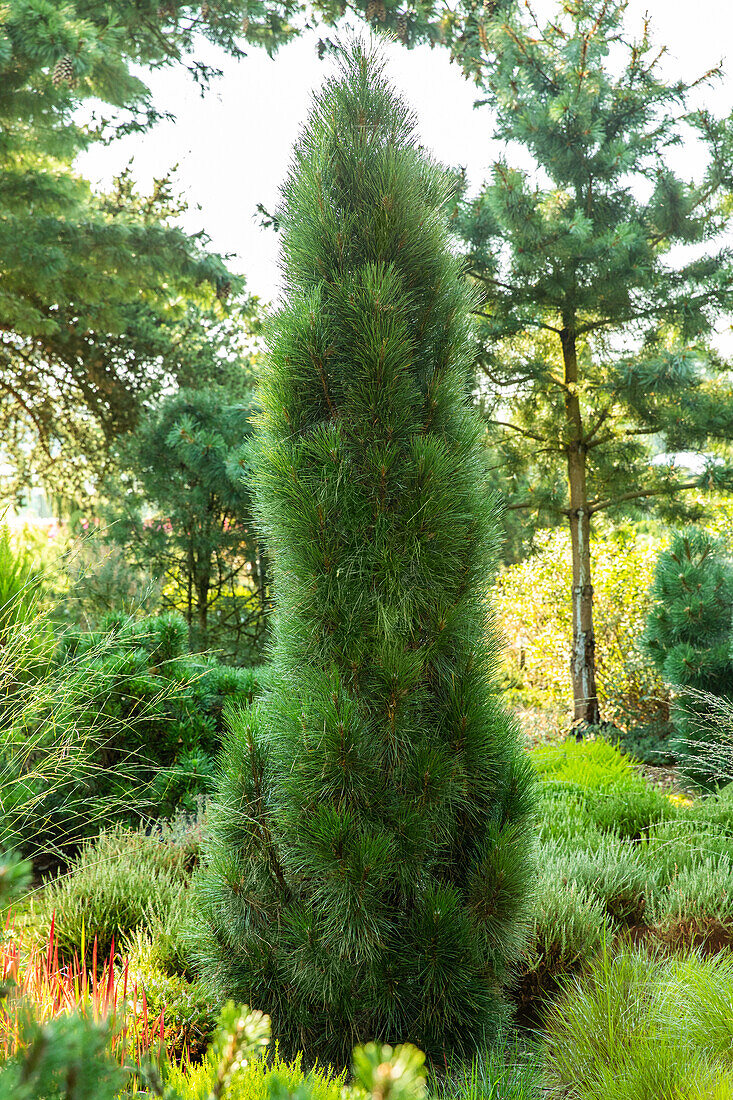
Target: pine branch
pixel 602 418
pixel 640 494
pixel 524 432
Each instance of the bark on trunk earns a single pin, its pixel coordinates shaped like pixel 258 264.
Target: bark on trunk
pixel 583 660
pixel 202 611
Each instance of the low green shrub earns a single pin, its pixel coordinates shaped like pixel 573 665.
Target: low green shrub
pixel 613 872
pixel 630 811
pixel 568 926
pixel 563 814
pixel 715 811
pixel 592 763
pixel 649 742
pixel 119 882
pixel 136 676
pixel 189 1017
pixel 592 787
pixel 134 720
pixel 686 842
pixel 633 1028
pixel 697 906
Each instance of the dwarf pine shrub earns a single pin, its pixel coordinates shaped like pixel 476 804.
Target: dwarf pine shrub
pixel 367 868
pixel 688 637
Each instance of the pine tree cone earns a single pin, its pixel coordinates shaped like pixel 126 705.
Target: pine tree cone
pixel 381 11
pixel 401 28
pixel 63 71
pixel 371 10
pixel 223 290
pixel 245 24
pixel 205 11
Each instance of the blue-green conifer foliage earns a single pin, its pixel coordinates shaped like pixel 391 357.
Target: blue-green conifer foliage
pixel 367 869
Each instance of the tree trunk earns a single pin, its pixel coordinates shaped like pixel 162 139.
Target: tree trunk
pixel 583 660
pixel 203 585
pixel 202 616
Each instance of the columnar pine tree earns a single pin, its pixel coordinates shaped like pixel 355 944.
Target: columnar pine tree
pixel 370 849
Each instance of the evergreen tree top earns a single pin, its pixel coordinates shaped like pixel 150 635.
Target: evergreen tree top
pixel 589 240
pixel 374 238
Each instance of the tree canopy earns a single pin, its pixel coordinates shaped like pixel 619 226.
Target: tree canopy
pixel 182 510
pixel 100 292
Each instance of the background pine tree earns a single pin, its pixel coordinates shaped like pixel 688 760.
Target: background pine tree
pixel 103 296
pixel 367 867
pixel 604 270
pixel 180 509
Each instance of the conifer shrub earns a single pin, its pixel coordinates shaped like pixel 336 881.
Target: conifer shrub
pixel 370 850
pixel 689 634
pixel 136 683
pixel 124 724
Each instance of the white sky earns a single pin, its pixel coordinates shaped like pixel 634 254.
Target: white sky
pixel 232 147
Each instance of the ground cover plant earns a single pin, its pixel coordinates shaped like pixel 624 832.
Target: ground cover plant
pixel 620 859
pixel 371 841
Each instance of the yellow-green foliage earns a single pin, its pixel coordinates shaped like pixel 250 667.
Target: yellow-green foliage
pixel 592 763
pixel 636 1027
pixel 594 781
pixel 253 1081
pixel 534 614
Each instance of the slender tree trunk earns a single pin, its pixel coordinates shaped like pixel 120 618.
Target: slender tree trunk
pixel 202 616
pixel 191 565
pixel 583 660
pixel 202 584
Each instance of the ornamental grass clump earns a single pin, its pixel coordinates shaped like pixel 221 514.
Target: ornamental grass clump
pixel 367 869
